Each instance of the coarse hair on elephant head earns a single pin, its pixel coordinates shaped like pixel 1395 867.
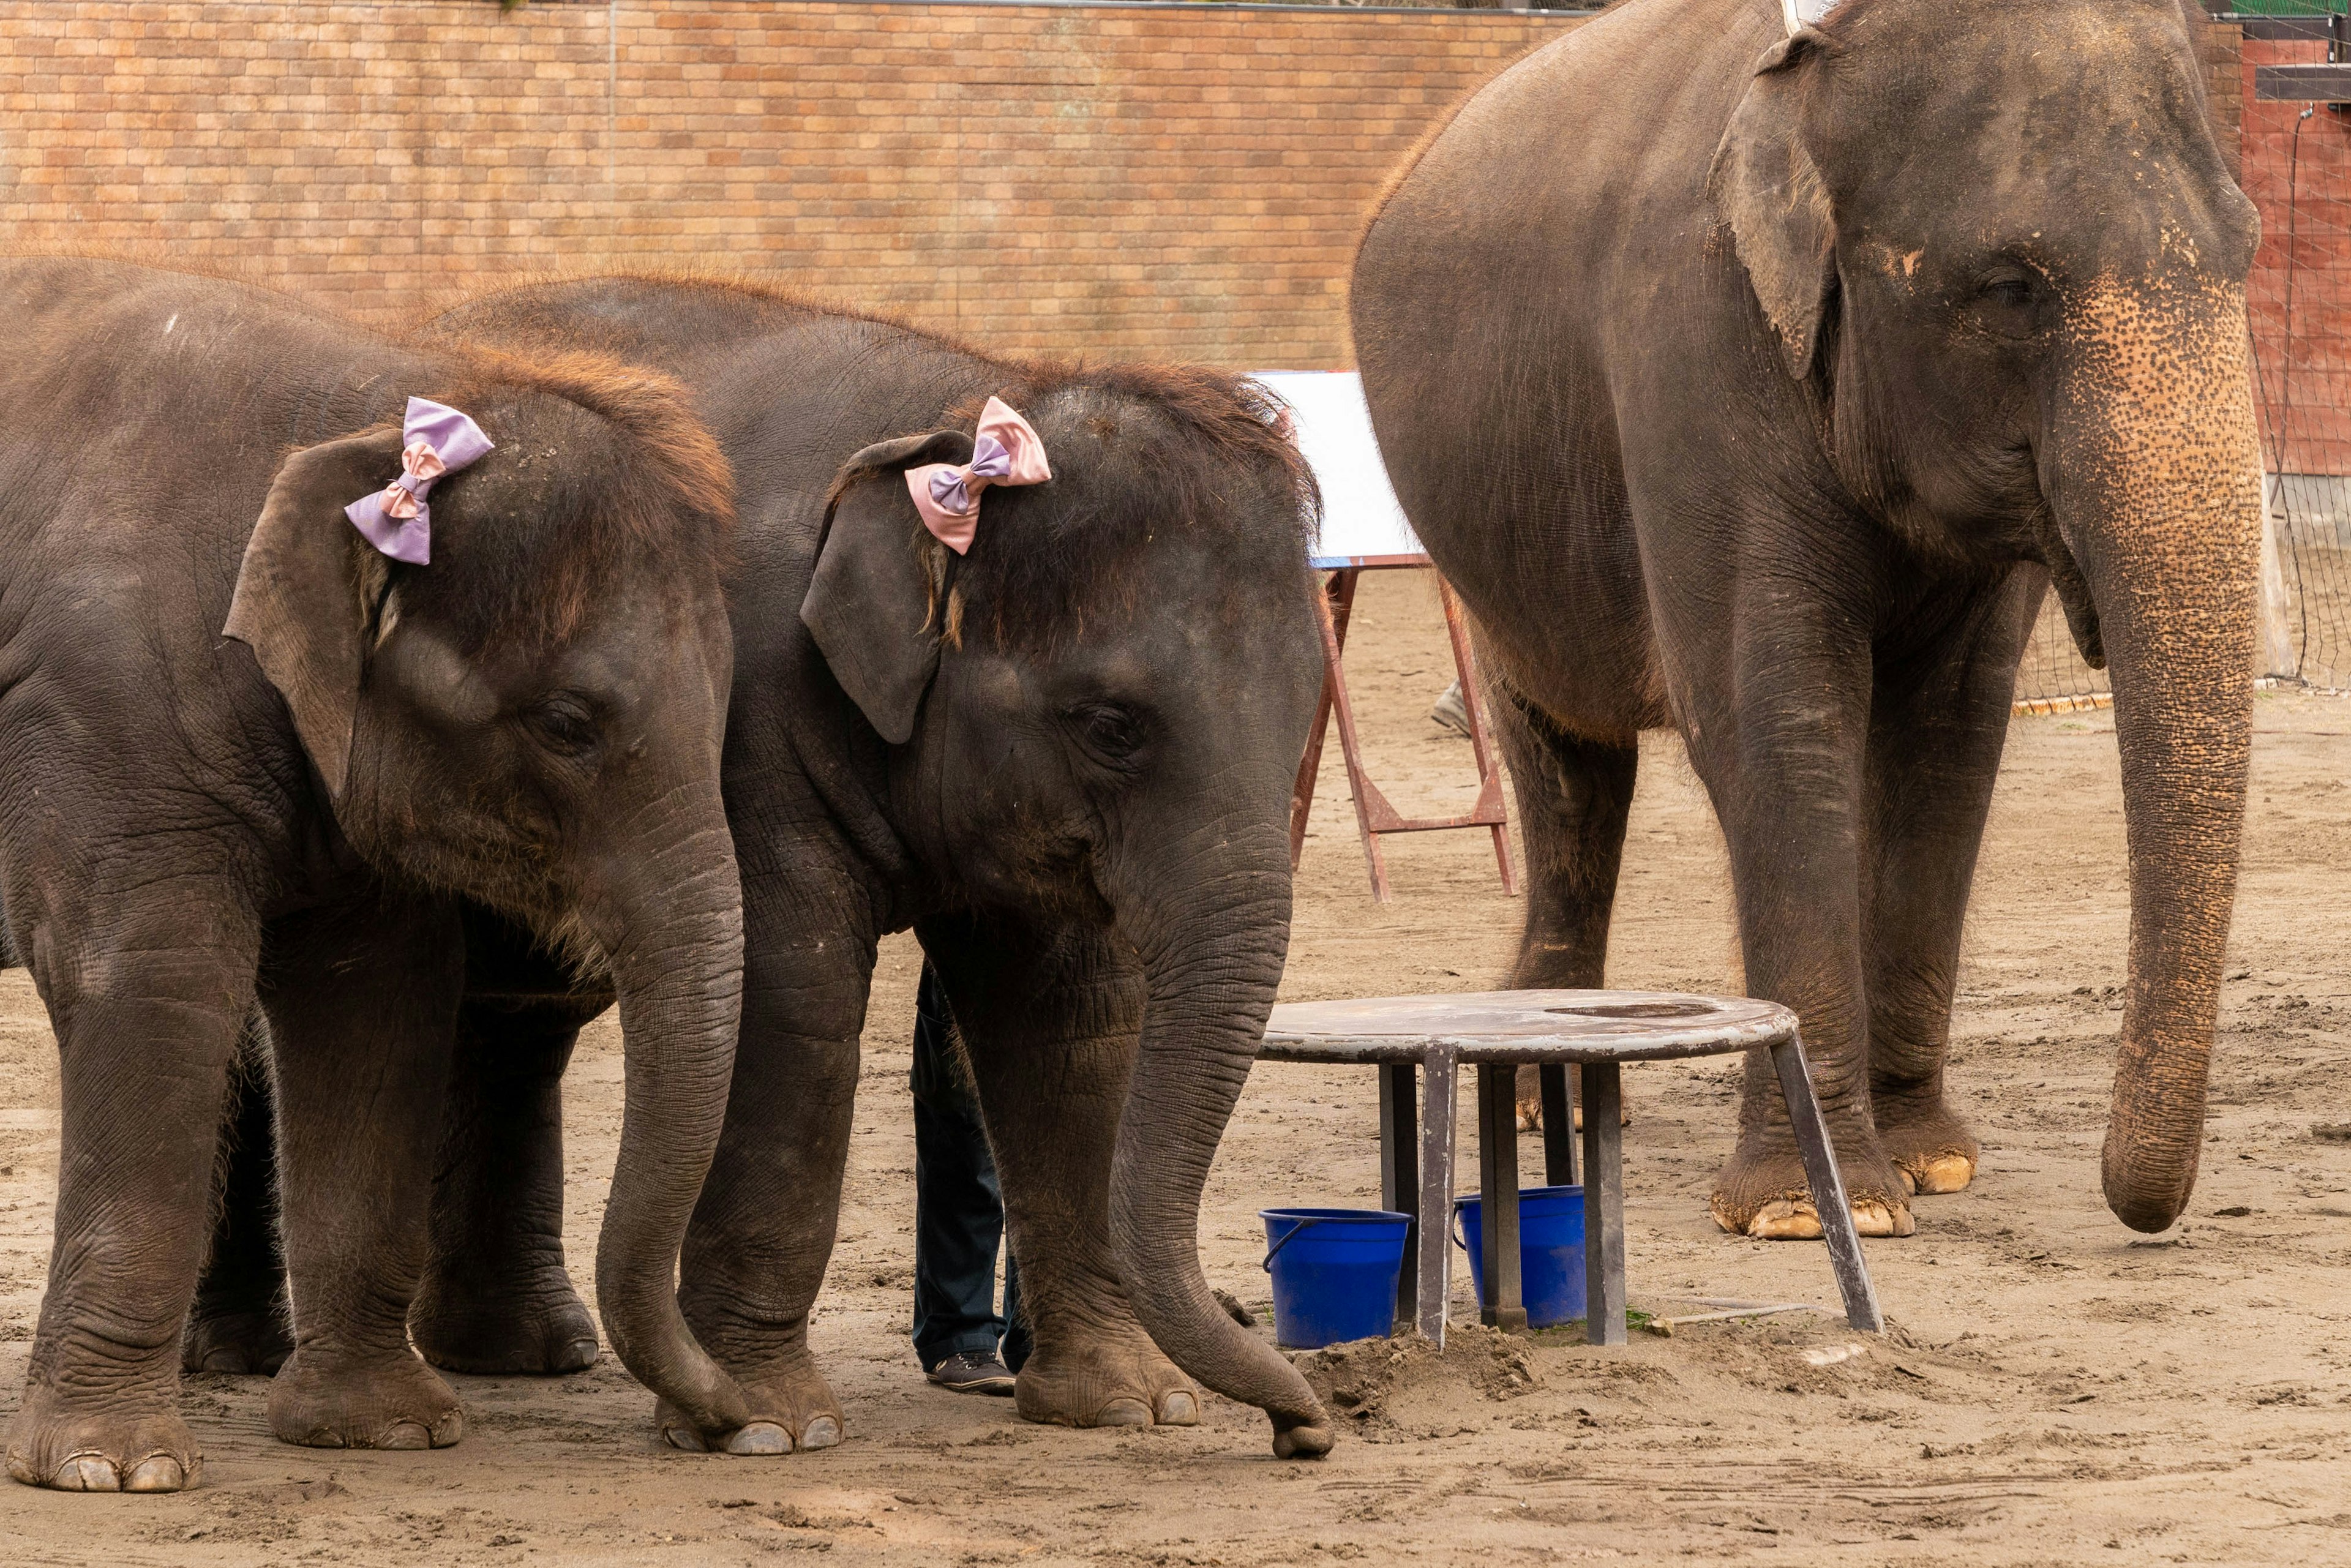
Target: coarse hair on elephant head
pixel 1994 244
pixel 1098 712
pixel 534 719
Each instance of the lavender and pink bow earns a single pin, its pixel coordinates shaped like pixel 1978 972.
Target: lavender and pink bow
pixel 436 440
pixel 1005 450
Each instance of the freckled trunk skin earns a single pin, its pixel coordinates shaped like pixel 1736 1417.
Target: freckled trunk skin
pixel 2157 493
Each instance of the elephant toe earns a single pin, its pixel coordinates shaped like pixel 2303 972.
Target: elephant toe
pixel 1179 1410
pixel 1123 1412
pixel 823 1432
pixel 1785 1220
pixel 157 1472
pixel 760 1439
pixel 1879 1217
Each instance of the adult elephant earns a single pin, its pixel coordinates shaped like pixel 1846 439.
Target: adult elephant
pixel 1765 406
pixel 524 710
pixel 1063 756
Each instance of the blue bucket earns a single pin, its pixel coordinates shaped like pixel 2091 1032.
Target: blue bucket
pixel 1550 1251
pixel 1334 1273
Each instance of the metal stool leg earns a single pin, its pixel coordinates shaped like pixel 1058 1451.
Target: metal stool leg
pixel 1603 1204
pixel 1828 1187
pixel 1497 1185
pixel 1559 1126
pixel 1400 1176
pixel 1435 1191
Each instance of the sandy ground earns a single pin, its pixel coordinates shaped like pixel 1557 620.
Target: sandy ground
pixel 2053 1389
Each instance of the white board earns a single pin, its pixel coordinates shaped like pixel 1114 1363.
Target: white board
pixel 1360 516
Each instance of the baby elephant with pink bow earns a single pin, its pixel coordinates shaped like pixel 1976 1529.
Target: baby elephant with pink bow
pixel 1025 658
pixel 315 651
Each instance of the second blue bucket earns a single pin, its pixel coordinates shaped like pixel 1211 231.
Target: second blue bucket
pixel 1550 1251
pixel 1334 1273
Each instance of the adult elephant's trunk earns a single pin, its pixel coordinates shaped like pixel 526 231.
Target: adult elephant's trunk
pixel 2158 495
pixel 1212 946
pixel 670 917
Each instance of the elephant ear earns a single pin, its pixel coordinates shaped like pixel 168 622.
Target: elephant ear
pixel 308 587
pixel 869 605
pixel 1767 188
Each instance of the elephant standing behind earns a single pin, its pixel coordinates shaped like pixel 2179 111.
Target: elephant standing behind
pixel 524 711
pixel 1064 758
pixel 1765 404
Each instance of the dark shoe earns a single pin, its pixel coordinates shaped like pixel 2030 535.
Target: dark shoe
pixel 973 1372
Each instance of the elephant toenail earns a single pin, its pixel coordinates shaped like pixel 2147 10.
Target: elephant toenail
pixel 1785 1220
pixel 685 1438
pixel 759 1438
pixel 577 1356
pixel 156 1472
pixel 1179 1410
pixel 1123 1412
pixel 404 1435
pixel 89 1472
pixel 823 1432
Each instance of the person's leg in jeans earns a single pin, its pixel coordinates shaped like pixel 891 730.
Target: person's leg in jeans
pixel 958 1215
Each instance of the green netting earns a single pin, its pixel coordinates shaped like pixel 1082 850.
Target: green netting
pixel 2286 8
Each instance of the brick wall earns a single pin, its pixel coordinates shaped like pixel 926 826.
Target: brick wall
pixel 1175 181
pixel 1180 181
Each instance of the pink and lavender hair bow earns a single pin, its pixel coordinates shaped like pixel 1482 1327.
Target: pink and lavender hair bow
pixel 436 440
pixel 1004 451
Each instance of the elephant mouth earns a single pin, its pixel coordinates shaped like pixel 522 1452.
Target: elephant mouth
pixel 2072 589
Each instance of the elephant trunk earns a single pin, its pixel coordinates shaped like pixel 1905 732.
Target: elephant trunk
pixel 1212 956
pixel 670 921
pixel 2159 504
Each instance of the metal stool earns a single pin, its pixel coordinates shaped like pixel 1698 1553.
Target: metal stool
pixel 1595 1031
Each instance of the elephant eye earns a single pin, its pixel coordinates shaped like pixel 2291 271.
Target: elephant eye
pixel 563 723
pixel 1110 731
pixel 2008 302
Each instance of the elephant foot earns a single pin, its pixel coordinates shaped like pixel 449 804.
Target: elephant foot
pixel 795 1412
pixel 236 1340
pixel 1931 1148
pixel 1114 1379
pixel 51 1444
pixel 1529 1103
pixel 384 1401
pixel 1764 1194
pixel 534 1328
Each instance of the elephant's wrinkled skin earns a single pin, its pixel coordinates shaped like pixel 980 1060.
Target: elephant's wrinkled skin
pixel 1765 406
pixel 1078 796
pixel 290 822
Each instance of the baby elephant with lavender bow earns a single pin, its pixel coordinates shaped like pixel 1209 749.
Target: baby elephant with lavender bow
pixel 316 652
pixel 1024 658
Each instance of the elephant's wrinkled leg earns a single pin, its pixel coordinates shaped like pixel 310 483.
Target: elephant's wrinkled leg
pixel 241 1323
pixel 1049 1016
pixel 763 1231
pixel 495 1296
pixel 1779 734
pixel 147 1018
pixel 1940 715
pixel 1573 795
pixel 361 1001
